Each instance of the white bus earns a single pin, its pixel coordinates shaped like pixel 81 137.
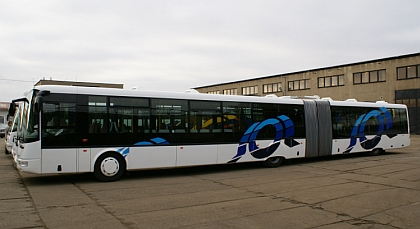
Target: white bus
pixel 67 129
pixel 11 136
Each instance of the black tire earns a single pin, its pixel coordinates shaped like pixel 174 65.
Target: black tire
pixel 109 167
pixel 273 162
pixel 375 152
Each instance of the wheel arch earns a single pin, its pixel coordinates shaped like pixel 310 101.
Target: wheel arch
pixel 273 162
pixel 376 151
pixel 102 152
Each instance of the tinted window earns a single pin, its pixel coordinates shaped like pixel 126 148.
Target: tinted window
pixel 59 120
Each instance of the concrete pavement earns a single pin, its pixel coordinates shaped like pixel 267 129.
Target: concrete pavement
pixel 346 191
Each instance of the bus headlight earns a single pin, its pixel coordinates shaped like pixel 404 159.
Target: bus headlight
pixel 23 163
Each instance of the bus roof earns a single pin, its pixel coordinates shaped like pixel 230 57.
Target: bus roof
pixel 204 97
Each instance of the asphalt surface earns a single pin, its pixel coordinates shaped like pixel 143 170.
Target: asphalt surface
pixel 346 191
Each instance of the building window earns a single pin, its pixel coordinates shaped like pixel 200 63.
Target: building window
pixel 272 88
pixel 369 77
pixel 232 91
pixel 365 77
pixel 252 90
pixel 331 81
pixel 408 72
pixel 213 92
pixel 299 85
pixel 381 76
pixel 373 76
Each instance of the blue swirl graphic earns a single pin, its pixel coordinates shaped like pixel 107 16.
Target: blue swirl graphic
pixel 384 118
pixel 124 151
pixel 153 141
pixel 284 128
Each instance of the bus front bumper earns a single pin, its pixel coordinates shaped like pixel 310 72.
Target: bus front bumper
pixel 29 165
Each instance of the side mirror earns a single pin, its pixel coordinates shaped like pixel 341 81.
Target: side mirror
pixel 38 105
pixel 12 109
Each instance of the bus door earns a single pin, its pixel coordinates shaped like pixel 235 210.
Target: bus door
pixel 59 153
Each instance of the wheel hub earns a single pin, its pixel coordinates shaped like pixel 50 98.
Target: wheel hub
pixel 110 166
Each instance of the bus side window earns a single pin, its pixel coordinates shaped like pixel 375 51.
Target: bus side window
pixel 236 117
pixel 399 121
pixel 97 112
pixel 169 115
pixel 59 118
pixel 205 117
pixel 127 115
pixel 341 122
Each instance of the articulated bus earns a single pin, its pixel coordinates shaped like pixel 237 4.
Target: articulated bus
pixel 66 129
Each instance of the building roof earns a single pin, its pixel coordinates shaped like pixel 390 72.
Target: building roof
pixel 77 83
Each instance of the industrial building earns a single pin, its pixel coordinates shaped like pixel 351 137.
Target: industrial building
pixel 392 79
pixel 4 108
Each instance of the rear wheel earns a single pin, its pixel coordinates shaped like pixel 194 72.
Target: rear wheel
pixel 273 162
pixel 109 167
pixel 376 152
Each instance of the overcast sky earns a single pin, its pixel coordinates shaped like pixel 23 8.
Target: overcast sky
pixel 176 45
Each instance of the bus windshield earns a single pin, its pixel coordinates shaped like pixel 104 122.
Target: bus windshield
pixel 29 120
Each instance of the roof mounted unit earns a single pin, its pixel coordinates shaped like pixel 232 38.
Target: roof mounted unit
pixel 193 91
pixel 351 100
pixel 311 97
pixel 288 97
pixel 271 96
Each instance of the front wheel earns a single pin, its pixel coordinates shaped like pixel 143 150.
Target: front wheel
pixel 273 162
pixel 109 167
